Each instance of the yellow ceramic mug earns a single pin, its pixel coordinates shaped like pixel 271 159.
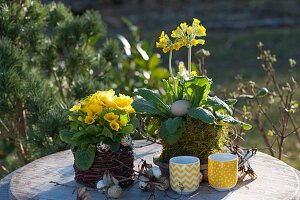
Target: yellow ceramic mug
pixel 184 174
pixel 222 171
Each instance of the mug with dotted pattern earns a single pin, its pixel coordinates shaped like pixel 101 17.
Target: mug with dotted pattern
pixel 184 174
pixel 222 171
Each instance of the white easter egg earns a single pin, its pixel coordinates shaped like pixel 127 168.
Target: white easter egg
pixel 180 107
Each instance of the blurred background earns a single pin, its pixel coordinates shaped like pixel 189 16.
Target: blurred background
pixel 117 50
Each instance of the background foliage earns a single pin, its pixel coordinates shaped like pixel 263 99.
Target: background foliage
pixel 50 58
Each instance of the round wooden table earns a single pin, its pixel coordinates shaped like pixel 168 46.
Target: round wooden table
pixel 276 180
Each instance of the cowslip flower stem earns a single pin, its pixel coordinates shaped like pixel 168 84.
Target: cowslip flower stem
pixel 189 60
pixel 171 71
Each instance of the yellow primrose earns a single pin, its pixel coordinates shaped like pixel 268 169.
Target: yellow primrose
pixel 175 33
pixel 130 109
pixel 201 42
pixel 194 73
pixel 122 122
pixel 194 42
pixel 95 108
pixel 111 116
pixel 183 25
pixel 162 41
pixel 176 46
pixel 196 21
pixel 165 50
pixel 189 30
pixel 75 108
pixel 122 101
pixel 157 44
pixel 162 34
pixel 70 118
pixel 89 120
pixel 114 125
pixel 79 118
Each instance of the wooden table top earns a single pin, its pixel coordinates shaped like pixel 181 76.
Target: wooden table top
pixel 276 180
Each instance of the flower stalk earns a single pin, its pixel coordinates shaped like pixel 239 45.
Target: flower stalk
pixel 189 61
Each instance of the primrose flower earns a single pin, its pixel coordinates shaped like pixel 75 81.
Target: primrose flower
pixel 165 49
pixel 79 118
pixel 194 42
pixel 194 73
pixel 114 125
pixel 176 46
pixel 75 108
pixel 89 120
pixel 111 117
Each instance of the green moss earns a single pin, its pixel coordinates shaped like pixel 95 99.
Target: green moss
pixel 199 139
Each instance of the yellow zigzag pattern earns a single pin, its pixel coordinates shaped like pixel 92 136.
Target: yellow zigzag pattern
pixel 186 186
pixel 182 170
pixel 181 176
pixel 184 166
pixel 189 182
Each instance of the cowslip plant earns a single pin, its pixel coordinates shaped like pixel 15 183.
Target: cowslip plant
pixel 101 117
pixel 187 93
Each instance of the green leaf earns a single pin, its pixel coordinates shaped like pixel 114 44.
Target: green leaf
pixel 170 91
pixel 114 146
pixel 155 125
pixel 94 39
pixel 180 89
pixel 92 130
pixel 66 136
pixel 154 61
pixel 85 158
pixel 217 104
pixel 147 107
pixel 263 92
pixel 134 122
pixel 201 114
pixel 149 95
pixel 77 135
pixel 172 129
pixel 127 129
pixel 230 120
pixel 230 102
pixel 107 132
pixel 197 95
pixel 199 81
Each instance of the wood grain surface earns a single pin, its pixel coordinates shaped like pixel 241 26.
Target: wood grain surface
pixel 276 180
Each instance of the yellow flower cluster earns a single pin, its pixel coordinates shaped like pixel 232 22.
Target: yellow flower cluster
pixel 185 36
pixel 93 106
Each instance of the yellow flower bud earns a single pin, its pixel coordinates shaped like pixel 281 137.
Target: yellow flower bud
pixel 194 42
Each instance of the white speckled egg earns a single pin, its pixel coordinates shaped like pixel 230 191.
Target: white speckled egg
pixel 126 141
pixel 102 148
pixel 156 172
pixel 180 107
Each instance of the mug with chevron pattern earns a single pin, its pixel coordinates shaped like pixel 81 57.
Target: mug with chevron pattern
pixel 222 171
pixel 184 174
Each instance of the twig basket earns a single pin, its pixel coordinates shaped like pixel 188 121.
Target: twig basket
pixel 119 164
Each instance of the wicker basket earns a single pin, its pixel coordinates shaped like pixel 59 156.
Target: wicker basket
pixel 119 164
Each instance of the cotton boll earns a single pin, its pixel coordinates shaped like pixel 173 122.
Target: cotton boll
pixel 156 172
pixel 180 107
